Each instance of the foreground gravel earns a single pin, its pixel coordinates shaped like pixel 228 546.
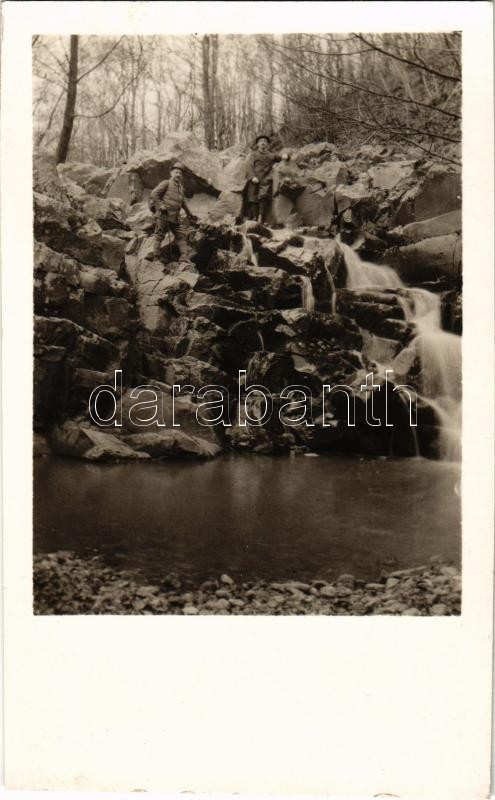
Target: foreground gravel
pixel 67 584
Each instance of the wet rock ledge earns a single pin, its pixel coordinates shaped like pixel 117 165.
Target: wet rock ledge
pixel 67 584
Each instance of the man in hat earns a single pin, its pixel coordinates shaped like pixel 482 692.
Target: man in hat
pixel 259 173
pixel 166 201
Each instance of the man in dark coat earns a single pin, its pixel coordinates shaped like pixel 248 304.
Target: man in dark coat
pixel 259 166
pixel 166 201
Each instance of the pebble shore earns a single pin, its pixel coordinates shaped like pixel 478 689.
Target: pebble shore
pixel 67 584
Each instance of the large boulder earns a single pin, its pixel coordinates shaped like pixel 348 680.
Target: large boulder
pixel 438 192
pixel 202 167
pixel 98 280
pixel 233 175
pixel 316 204
pixel 57 288
pixel 46 179
pixel 69 362
pixel 65 230
pixel 107 212
pixel 311 191
pixel 79 439
pixel 444 224
pixel 176 412
pixel 113 249
pixel 172 444
pixel 314 154
pixel 277 371
pixel 92 179
pixel 390 174
pixel 188 371
pixel 153 286
pixel 85 348
pixel 378 312
pixel 359 197
pixel 140 217
pixel 111 317
pixel 227 207
pixel 428 259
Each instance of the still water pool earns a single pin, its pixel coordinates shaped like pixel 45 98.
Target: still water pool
pixel 253 517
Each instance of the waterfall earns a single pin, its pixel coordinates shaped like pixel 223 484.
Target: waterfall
pixel 333 290
pixel 439 351
pixel 440 355
pixel 307 296
pixel 247 251
pixel 258 331
pixel 363 274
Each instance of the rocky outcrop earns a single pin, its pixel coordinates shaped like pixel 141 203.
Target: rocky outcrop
pixel 93 180
pixel 268 300
pixel 381 186
pixel 428 259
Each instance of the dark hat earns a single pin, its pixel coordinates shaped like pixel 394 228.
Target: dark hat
pixel 177 165
pixel 262 136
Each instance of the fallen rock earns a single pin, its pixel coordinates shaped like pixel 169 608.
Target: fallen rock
pixel 439 192
pixel 202 167
pixel 91 178
pixel 227 207
pixel 77 439
pixel 449 223
pixel 428 259
pixel 172 444
pixel 388 175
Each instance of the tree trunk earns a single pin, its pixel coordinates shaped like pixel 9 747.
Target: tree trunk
pixel 214 86
pixel 208 92
pixel 70 103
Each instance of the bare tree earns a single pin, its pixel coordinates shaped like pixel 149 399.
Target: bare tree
pixel 70 102
pixel 383 88
pixel 209 50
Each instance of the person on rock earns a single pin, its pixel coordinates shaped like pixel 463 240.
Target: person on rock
pixel 259 173
pixel 166 201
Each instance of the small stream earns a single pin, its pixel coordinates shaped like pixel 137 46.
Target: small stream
pixel 253 517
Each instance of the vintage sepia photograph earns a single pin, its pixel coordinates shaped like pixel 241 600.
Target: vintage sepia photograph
pixel 247 324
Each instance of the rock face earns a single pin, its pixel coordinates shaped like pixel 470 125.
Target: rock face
pixel 272 302
pixel 377 186
pixel 93 180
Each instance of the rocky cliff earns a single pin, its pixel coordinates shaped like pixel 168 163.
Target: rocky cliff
pixel 273 300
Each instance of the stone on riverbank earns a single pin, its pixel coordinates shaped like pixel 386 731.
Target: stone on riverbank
pixel 67 584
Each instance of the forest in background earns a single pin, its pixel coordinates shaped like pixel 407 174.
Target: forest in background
pixel 99 99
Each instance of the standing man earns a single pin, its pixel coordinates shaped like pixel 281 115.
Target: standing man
pixel 259 173
pixel 166 201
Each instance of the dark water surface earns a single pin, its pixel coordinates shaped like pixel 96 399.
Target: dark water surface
pixel 253 517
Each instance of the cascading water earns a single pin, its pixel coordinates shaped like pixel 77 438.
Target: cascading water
pixel 440 355
pixel 307 295
pixel 363 274
pixel 439 351
pixel 333 290
pixel 258 331
pixel 247 251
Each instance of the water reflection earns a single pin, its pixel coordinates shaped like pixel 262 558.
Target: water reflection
pixel 253 517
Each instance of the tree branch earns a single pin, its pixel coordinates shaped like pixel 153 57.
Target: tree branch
pixel 107 111
pixel 407 60
pixel 42 135
pixel 100 62
pixel 376 127
pixel 359 88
